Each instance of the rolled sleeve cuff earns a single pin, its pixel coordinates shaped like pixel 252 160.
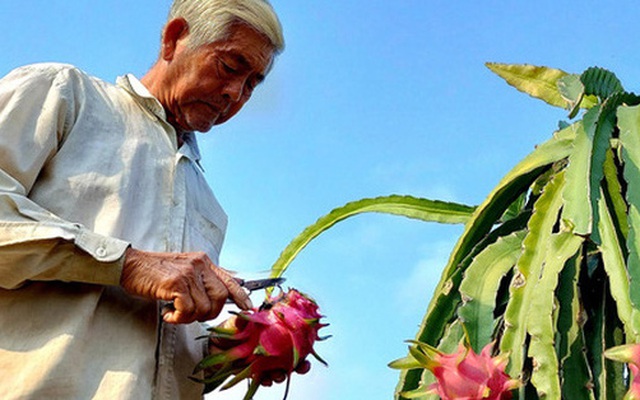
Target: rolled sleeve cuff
pixel 102 248
pixel 102 260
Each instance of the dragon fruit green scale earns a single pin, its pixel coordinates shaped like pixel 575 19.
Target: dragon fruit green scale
pixel 272 340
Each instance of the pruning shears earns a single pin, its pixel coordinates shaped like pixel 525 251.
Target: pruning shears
pixel 251 285
pixel 257 284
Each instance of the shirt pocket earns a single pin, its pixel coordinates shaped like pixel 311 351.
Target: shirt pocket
pixel 205 232
pixel 206 221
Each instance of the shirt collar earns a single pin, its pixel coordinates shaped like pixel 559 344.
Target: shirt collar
pixel 133 85
pixel 190 147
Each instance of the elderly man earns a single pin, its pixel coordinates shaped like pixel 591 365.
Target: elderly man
pixel 105 213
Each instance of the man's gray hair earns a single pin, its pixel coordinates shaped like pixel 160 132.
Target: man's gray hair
pixel 210 20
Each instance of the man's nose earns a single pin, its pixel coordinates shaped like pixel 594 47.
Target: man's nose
pixel 234 89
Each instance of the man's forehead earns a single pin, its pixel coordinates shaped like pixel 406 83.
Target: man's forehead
pixel 248 55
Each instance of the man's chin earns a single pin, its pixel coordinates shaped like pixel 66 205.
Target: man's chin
pixel 201 126
pixel 203 130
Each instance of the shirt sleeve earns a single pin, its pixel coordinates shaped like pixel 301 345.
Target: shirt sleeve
pixel 38 105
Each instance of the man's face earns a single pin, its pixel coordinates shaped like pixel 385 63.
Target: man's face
pixel 210 84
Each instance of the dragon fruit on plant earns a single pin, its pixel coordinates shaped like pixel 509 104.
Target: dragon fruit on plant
pixel 463 375
pixel 263 344
pixel 630 354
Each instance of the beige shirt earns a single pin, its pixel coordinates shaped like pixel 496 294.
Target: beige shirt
pixel 86 169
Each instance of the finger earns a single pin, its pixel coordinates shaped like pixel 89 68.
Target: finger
pixel 230 272
pixel 303 367
pixel 217 294
pixel 182 312
pixel 176 317
pixel 199 291
pixel 235 291
pixel 278 376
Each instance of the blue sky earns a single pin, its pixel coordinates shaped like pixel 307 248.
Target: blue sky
pixel 369 99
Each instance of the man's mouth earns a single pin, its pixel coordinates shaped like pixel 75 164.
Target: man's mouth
pixel 215 109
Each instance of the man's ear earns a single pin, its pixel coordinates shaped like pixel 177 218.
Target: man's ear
pixel 174 31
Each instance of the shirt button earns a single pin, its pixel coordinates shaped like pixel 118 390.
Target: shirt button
pixel 101 252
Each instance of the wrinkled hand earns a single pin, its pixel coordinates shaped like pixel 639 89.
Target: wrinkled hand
pixel 197 287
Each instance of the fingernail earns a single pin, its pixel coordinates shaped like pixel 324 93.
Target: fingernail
pixel 248 304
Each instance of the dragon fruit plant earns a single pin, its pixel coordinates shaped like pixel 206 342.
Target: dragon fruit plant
pixel 263 344
pixel 548 265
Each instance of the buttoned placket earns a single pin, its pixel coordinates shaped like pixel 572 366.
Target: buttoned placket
pixel 175 234
pixel 166 387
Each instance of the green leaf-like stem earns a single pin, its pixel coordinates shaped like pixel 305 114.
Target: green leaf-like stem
pixel 407 206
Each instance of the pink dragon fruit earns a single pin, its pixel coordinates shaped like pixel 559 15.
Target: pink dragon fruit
pixel 463 375
pixel 264 345
pixel 630 354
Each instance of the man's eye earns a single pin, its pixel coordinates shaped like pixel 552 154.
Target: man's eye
pixel 251 84
pixel 227 68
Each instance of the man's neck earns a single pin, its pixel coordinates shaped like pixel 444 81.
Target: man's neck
pixel 180 138
pixel 151 81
